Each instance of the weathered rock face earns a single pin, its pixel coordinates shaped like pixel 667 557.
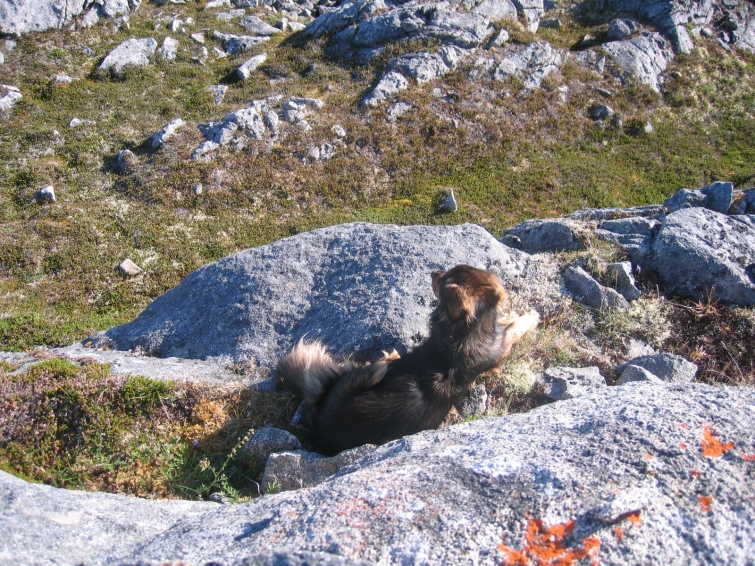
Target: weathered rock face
pixel 21 16
pixel 676 458
pixel 643 58
pixel 701 253
pixel 132 53
pixel 356 287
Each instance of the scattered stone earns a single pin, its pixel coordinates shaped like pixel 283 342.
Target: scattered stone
pixel 167 132
pixel 560 383
pixel 76 122
pixel 197 37
pixel 425 66
pixel 219 53
pixel 295 470
pixel 133 53
pixel 9 98
pixel 692 263
pixel 129 268
pixel 61 80
pixel 475 403
pixel 212 4
pixel 198 188
pixel 552 23
pixel 619 30
pixel 125 161
pixel 257 26
pixel 619 276
pixel 272 122
pixel 635 234
pixel 339 131
pixel 716 196
pixel 396 110
pixel 234 44
pixel 666 367
pixel 499 39
pixel 88 51
pixel 391 83
pixel 603 92
pixel 589 292
pixel 231 15
pixel 266 441
pixel 45 194
pixel 537 236
pixel 235 129
pixel 2 58
pixel 218 93
pixel 296 26
pixel 644 58
pixel 449 203
pixel 602 112
pixel 175 25
pixel 637 373
pixel 246 69
pixel 531 63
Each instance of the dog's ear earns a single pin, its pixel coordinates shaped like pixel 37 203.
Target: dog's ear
pixel 458 304
pixel 437 275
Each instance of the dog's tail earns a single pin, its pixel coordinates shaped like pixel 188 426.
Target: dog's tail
pixel 308 370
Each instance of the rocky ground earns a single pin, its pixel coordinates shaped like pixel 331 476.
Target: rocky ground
pixel 547 143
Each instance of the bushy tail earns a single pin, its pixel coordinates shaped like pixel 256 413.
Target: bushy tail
pixel 308 370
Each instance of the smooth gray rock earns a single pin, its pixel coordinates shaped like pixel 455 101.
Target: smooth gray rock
pixel 531 63
pixel 474 403
pixel 442 497
pixel 619 276
pixel 235 129
pixel 218 93
pixel 667 367
pixel 602 112
pixel 716 196
pixel 560 383
pixel 287 471
pixel 634 234
pixel 266 441
pixel 619 30
pixel 586 290
pixel 705 255
pixel 125 161
pixel 165 133
pixel 132 53
pixel 532 11
pixel 636 373
pixel 129 268
pixel 449 204
pixel 537 236
pixel 357 287
pixel 257 26
pixel 642 58
pixel 496 9
pixel 391 83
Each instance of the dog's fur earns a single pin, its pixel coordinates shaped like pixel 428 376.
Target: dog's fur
pixel 347 405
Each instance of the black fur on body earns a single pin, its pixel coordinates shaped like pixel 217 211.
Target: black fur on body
pixel 471 331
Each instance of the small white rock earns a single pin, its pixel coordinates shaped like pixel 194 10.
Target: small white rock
pixel 128 267
pixel 198 37
pixel 45 194
pixel 338 131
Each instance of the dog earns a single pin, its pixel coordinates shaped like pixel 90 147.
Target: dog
pixel 471 331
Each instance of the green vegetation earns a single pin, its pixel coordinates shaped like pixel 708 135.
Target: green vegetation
pixel 78 426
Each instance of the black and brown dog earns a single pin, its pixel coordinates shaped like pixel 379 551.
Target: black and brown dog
pixel 471 331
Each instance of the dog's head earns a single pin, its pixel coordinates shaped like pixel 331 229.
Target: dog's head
pixel 465 293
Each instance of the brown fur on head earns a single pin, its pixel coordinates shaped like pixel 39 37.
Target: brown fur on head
pixel 471 331
pixel 464 290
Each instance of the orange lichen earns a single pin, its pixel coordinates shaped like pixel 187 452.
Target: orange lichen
pixel 705 502
pixel 634 518
pixel 711 446
pixel 547 546
pixel 695 473
pixel 748 457
pixel 618 533
pixel 682 446
pixel 648 456
pixel 683 425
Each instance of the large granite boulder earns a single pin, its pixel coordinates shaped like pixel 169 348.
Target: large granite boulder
pixel 638 474
pixel 357 287
pixel 22 16
pixel 702 254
